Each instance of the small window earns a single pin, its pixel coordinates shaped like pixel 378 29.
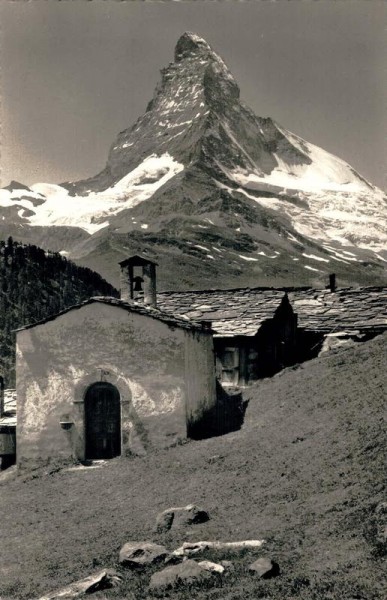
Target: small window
pixel 228 365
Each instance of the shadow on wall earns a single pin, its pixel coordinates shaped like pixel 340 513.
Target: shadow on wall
pixel 226 416
pixel 309 344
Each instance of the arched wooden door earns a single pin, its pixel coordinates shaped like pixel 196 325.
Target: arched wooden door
pixel 102 421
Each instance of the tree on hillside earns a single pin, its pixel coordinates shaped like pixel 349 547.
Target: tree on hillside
pixel 35 284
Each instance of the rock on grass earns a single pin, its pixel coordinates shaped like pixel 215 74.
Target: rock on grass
pixel 188 573
pixel 99 581
pixel 181 516
pixel 265 568
pixel 138 555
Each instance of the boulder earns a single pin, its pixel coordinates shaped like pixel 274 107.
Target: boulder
pixel 211 566
pixel 187 573
pixel 99 581
pixel 265 568
pixel 181 516
pixel 138 555
pixel 189 548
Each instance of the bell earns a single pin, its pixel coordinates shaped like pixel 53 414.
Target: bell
pixel 137 284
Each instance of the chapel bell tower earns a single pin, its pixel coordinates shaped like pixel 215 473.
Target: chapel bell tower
pixel 138 280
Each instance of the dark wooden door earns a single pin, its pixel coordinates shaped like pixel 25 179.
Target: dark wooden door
pixel 103 421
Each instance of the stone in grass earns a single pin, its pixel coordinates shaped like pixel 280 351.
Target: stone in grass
pixel 180 516
pixel 190 548
pixel 187 573
pixel 211 566
pixel 102 580
pixel 265 568
pixel 138 555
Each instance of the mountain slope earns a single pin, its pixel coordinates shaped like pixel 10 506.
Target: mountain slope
pixel 305 473
pixel 200 179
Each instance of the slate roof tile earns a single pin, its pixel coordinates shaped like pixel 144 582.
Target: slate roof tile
pixel 349 309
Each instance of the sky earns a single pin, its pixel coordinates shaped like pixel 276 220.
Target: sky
pixel 75 73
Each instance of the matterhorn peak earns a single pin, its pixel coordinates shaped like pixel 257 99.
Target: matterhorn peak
pixel 196 117
pixel 200 174
pixel 191 45
pixel 215 76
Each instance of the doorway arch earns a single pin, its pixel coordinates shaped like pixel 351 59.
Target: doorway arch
pixel 102 421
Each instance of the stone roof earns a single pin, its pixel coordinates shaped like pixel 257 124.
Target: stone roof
pixel 349 309
pixel 242 311
pixel 166 317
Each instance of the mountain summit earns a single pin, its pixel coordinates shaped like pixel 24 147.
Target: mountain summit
pixel 197 117
pixel 201 182
pixel 193 90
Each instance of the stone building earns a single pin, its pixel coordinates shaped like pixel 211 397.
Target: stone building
pixel 246 349
pixel 258 331
pixel 111 377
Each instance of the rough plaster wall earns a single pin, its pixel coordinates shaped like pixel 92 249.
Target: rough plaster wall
pixel 201 390
pixel 58 360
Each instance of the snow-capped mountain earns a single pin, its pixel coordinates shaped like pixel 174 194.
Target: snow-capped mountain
pixel 216 194
pixel 48 204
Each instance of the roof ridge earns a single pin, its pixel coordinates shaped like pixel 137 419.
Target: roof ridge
pixel 276 289
pixel 166 317
pixel 245 289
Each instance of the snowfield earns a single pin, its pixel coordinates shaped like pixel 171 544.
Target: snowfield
pixel 324 173
pixel 337 204
pixel 331 201
pixel 352 215
pixel 91 212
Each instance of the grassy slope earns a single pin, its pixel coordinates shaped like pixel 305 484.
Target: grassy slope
pixel 305 473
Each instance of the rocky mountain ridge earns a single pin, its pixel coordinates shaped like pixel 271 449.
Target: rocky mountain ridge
pixel 217 195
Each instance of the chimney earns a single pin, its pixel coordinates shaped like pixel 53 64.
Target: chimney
pixel 206 325
pixel 332 282
pixel 138 280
